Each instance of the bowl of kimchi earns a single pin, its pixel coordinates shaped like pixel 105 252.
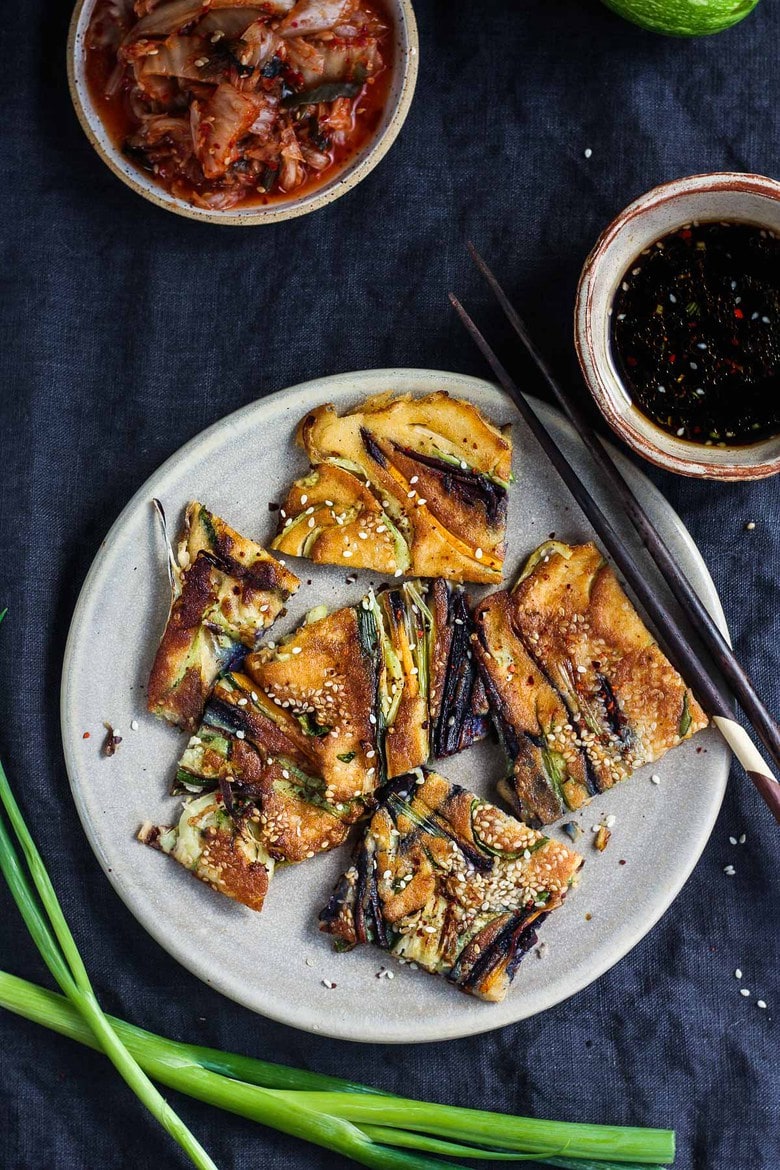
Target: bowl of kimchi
pixel 242 111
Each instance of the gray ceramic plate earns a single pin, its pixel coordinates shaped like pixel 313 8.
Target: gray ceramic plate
pixel 275 963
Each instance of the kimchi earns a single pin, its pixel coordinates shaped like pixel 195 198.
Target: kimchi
pixel 225 102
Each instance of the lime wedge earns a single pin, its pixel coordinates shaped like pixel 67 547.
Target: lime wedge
pixel 683 18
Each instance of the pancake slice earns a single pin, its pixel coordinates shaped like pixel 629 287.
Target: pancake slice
pixel 227 591
pixel 226 855
pixel 402 485
pixel 581 692
pixel 446 880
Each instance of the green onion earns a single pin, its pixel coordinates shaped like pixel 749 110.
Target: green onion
pixel 453 1149
pixel 280 1111
pixel 65 964
pixel 55 1012
pixel 207 1075
pixel 526 1134
pixel 327 92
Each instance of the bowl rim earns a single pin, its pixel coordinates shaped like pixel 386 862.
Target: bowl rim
pixel 407 63
pixel 601 382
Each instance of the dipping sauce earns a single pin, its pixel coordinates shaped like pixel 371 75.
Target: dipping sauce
pixel 695 333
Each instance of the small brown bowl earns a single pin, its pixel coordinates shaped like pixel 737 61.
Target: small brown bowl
pixel 720 196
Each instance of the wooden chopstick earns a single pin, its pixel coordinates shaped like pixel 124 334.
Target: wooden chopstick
pixel 710 692
pixel 696 612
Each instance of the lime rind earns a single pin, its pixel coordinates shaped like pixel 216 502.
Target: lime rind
pixel 683 18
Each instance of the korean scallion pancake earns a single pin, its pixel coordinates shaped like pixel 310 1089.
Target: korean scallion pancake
pixel 446 880
pixel 402 485
pixel 581 693
pixel 226 592
pixel 227 855
pixel 301 737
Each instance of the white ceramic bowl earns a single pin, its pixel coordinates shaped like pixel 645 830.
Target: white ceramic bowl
pixel 359 165
pixel 720 196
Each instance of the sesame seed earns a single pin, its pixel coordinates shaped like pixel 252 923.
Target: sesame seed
pixel 478 554
pixel 242 702
pixel 240 734
pixel 588 152
pixel 737 974
pixel 610 820
pixel 655 778
pixel 761 1004
pixel 304 500
pixel 134 725
pixel 743 838
pixel 729 870
pixel 329 984
pixel 421 503
pixel 732 840
pixel 398 573
pixel 347 552
pixel 414 479
pixel 743 991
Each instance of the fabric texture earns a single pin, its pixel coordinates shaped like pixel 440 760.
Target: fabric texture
pixel 125 330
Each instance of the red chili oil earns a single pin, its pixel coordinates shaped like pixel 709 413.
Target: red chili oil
pixel 696 333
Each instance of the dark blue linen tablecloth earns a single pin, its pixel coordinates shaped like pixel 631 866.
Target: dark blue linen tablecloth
pixel 125 331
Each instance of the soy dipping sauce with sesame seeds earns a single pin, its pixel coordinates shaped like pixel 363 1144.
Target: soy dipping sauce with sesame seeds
pixel 695 333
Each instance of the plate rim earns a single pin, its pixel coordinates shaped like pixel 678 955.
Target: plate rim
pixel 468 1026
